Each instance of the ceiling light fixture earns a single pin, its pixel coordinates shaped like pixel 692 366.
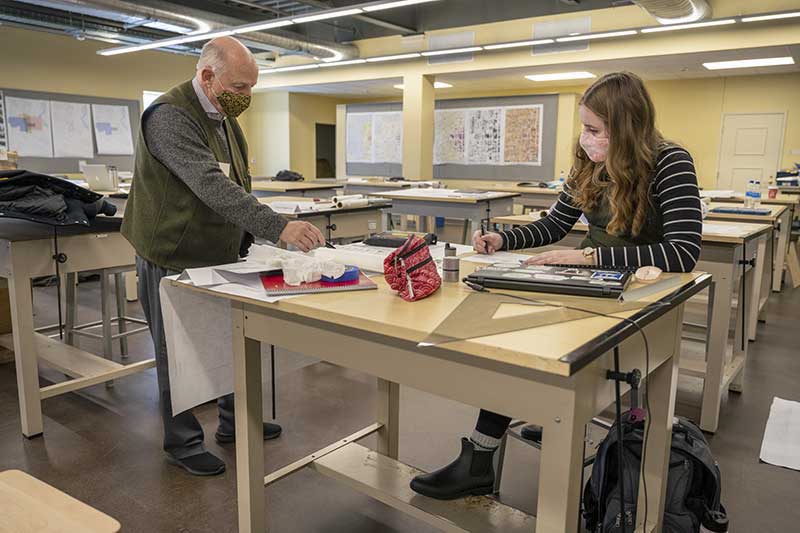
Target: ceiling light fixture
pixel 289 69
pixel 693 25
pixel 164 43
pixel 747 63
pixel 344 63
pixel 590 36
pixel 436 85
pixel 517 44
pixel 558 76
pixel 263 26
pixel 328 15
pixel 464 50
pixel 397 3
pixel 392 58
pixel 774 16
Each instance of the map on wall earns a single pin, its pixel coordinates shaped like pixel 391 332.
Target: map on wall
pixel 112 129
pixel 484 136
pixel 449 136
pixel 29 127
pixel 387 136
pixel 3 138
pixel 522 135
pixel 72 129
pixel 359 138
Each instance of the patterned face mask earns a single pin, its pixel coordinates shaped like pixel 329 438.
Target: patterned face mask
pixel 232 104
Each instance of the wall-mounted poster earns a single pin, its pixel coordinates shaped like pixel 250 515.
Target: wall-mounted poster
pixel 112 129
pixel 387 137
pixel 359 138
pixel 72 129
pixel 449 136
pixel 484 136
pixel 522 135
pixel 29 127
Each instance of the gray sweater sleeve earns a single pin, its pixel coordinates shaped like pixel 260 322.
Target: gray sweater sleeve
pixel 176 141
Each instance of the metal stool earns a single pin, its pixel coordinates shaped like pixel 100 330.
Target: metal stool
pixel 105 323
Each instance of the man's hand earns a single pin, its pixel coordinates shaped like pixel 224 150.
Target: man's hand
pixel 302 235
pixel 486 244
pixel 559 257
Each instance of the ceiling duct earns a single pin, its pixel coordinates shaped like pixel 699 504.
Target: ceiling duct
pixel 676 11
pixel 179 19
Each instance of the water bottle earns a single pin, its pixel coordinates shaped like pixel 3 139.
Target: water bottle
pixel 748 195
pixel 757 194
pixel 562 178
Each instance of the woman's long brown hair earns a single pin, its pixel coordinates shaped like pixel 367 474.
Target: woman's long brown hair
pixel 622 102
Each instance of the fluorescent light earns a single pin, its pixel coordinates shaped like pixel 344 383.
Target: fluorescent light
pixel 774 16
pixel 557 76
pixel 344 63
pixel 745 63
pixel 392 58
pixel 263 26
pixel 596 36
pixel 164 43
pixel 452 51
pixel 517 44
pixel 328 15
pixel 288 69
pixel 689 26
pixel 436 85
pixel 398 3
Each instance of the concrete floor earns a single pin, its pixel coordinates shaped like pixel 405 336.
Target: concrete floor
pixel 104 446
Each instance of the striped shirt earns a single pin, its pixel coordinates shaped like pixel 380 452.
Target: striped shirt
pixel 675 194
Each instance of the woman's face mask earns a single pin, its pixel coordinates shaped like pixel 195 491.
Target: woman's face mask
pixel 594 138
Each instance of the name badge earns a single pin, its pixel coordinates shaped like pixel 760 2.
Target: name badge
pixel 225 168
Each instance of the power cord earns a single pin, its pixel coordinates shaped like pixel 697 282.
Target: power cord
pixel 481 288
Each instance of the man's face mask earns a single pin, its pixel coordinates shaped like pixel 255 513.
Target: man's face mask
pixel 595 147
pixel 232 104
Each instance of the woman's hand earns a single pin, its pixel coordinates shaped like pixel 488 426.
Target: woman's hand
pixel 559 257
pixel 488 243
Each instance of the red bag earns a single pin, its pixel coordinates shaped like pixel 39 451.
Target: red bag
pixel 411 271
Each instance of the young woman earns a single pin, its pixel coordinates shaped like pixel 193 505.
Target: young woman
pixel 640 196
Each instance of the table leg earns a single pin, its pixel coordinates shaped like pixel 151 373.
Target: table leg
pixel 248 411
pixel 386 220
pixel 739 347
pixel 131 292
pixel 122 326
pixel 661 387
pixel 70 289
pixel 465 232
pixel 757 274
pixel 716 347
pixel 560 468
pixel 389 416
pixel 30 403
pixel 781 249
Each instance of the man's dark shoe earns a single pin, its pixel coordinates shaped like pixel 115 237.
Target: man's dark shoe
pixel 202 464
pixel 531 432
pixel 271 431
pixel 471 474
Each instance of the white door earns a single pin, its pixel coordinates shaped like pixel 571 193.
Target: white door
pixel 750 149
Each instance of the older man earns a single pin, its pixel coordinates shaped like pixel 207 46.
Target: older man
pixel 190 206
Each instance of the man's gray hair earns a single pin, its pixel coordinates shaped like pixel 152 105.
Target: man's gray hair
pixel 213 57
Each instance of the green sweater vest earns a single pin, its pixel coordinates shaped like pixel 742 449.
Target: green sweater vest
pixel 166 223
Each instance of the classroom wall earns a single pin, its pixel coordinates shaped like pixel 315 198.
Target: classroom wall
pixel 305 112
pixel 266 127
pixel 40 61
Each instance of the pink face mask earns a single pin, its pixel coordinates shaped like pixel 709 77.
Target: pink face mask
pixel 595 147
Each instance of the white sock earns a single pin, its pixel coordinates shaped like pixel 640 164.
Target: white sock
pixel 484 443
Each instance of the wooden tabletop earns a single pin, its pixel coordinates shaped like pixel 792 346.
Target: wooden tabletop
pixel 443 195
pixel 780 199
pixel 551 349
pixel 327 210
pixel 775 212
pixel 286 186
pixel 381 184
pixel 516 187
pixel 713 231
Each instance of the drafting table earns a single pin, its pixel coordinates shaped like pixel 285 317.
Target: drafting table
pixel 530 197
pixel 472 208
pixel 26 252
pixel 551 375
pixel 780 218
pixel 340 224
pixel 721 363
pixel 313 188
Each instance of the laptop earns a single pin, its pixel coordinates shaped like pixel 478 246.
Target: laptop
pixel 579 280
pixel 99 178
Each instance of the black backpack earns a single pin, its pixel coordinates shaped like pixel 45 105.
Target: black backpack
pixel 693 481
pixel 289 175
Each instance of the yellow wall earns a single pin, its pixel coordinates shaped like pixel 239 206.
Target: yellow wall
pixel 266 126
pixel 305 112
pixel 39 61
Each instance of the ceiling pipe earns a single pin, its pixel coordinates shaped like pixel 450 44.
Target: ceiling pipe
pixel 191 20
pixel 676 11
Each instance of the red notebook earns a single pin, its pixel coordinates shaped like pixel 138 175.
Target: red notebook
pixel 275 286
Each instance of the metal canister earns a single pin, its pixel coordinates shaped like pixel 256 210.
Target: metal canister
pixel 450 268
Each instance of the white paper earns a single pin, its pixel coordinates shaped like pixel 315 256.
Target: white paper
pixel 497 257
pixel 72 129
pixel 781 444
pixel 358 141
pixel 29 132
pixel 444 193
pixel 726 229
pixel 387 137
pixel 718 194
pixel 449 138
pixel 484 136
pixel 370 258
pixel 112 129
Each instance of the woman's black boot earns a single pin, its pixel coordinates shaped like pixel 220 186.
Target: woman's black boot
pixel 472 473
